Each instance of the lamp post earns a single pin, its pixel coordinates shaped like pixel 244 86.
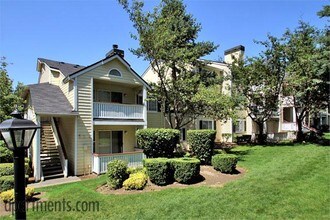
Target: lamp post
pixel 18 135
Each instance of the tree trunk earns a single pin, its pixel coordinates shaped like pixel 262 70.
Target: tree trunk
pixel 300 134
pixel 261 138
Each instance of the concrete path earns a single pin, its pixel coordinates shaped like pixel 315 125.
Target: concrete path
pixel 53 182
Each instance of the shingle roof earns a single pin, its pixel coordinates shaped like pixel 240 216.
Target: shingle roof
pixel 49 99
pixel 65 68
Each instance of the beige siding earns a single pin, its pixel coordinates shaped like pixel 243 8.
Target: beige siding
pixel 67 89
pixel 129 140
pixel 155 120
pixel 44 74
pixel 66 130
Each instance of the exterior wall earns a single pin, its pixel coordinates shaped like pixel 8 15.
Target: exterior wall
pixel 85 106
pixel 44 76
pixel 155 120
pixel 67 131
pixel 67 89
pixel 129 140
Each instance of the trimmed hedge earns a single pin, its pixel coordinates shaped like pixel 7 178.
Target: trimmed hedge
pixel 8 169
pixel 116 173
pixel 6 183
pixel 9 195
pixel 159 170
pixel 136 181
pixel 158 142
pixel 185 169
pixel 6 156
pixel 225 163
pixel 202 144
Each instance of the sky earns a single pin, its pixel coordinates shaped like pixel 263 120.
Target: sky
pixel 83 31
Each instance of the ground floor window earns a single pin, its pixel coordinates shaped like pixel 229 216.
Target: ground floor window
pixel 206 124
pixel 110 142
pixel 239 126
pixel 288 114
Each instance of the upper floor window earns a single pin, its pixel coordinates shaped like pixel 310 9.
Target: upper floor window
pixel 239 126
pixel 152 105
pixel 114 72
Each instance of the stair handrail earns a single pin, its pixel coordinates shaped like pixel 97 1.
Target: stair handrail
pixel 60 147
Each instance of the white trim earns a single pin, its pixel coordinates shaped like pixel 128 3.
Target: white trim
pixel 76 146
pixel 144 101
pixel 121 75
pixel 75 90
pixel 92 129
pixel 115 122
pixel 36 152
pixel 102 62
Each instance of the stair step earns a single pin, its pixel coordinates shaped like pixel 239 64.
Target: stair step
pixel 56 167
pixel 50 161
pixel 50 172
pixel 54 176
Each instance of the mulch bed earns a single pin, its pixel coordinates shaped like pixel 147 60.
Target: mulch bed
pixel 208 177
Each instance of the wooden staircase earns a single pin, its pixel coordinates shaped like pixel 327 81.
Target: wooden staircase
pixel 49 155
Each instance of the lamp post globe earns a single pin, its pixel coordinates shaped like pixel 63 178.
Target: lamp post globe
pixel 18 134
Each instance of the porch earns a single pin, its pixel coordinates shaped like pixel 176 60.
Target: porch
pixel 100 161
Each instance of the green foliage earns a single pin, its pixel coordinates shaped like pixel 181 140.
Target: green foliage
pixel 258 80
pixel 168 41
pixel 116 173
pixel 6 183
pixel 6 156
pixel 225 163
pixel 6 169
pixel 9 98
pixel 159 170
pixel 201 144
pixel 9 195
pixel 186 170
pixel 158 142
pixel 136 181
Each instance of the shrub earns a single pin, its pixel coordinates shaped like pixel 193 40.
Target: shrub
pixel 117 173
pixel 185 169
pixel 9 195
pixel 158 142
pixel 6 156
pixel 136 180
pixel 132 170
pixel 202 143
pixel 6 183
pixel 159 170
pixel 7 169
pixel 225 163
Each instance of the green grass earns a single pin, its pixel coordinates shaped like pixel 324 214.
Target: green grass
pixel 326 136
pixel 281 182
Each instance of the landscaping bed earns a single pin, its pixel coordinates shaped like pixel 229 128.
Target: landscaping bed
pixel 208 177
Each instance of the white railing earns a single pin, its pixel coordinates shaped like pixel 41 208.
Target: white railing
pixel 100 161
pixel 63 158
pixel 118 111
pixel 287 126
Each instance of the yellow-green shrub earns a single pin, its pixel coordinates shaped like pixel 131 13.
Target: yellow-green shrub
pixel 9 195
pixel 136 181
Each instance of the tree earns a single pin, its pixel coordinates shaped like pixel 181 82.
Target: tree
pixel 307 72
pixel 259 80
pixel 9 98
pixel 168 41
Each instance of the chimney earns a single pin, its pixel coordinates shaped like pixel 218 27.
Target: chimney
pixel 234 53
pixel 115 51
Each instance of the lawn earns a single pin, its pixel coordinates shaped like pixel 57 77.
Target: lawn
pixel 281 182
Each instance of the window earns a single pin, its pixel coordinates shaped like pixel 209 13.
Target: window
pixel 117 97
pixel 139 99
pixel 103 96
pixel 110 142
pixel 288 114
pixel 104 139
pixel 206 124
pixel 183 134
pixel 114 72
pixel 152 105
pixel 240 126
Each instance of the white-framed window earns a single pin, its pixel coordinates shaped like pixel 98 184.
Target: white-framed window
pixel 107 96
pixel 206 124
pixel 240 126
pixel 103 96
pixel 110 141
pixel 115 72
pixel 152 105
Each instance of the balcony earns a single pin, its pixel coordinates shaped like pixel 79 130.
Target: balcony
pixel 104 110
pixel 289 126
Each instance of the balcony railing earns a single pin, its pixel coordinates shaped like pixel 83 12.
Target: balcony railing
pixel 117 111
pixel 289 126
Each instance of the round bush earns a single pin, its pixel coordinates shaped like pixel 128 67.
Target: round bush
pixel 117 173
pixel 225 163
pixel 186 170
pixel 6 183
pixel 159 170
pixel 202 143
pixel 136 181
pixel 158 142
